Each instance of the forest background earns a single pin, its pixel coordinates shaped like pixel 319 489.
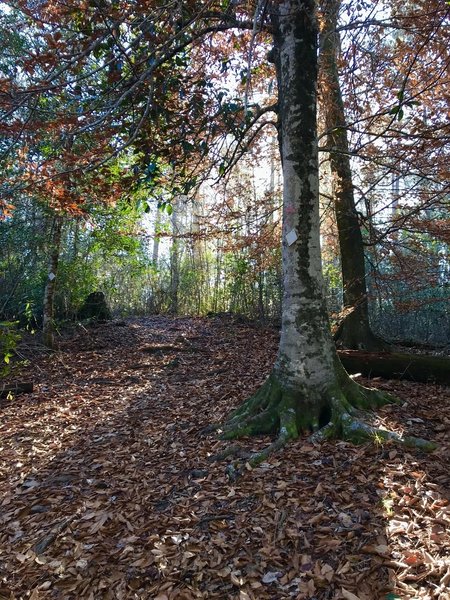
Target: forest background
pixel 155 177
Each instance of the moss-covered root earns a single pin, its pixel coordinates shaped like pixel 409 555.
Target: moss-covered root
pixel 232 451
pixel 358 395
pixel 271 410
pixel 288 431
pixel 348 427
pixel 345 425
pixel 333 413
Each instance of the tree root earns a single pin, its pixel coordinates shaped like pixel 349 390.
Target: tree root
pixel 288 431
pixel 232 451
pixel 351 428
pixel 337 412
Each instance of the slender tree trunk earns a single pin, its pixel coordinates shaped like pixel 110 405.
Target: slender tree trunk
pixel 76 240
pixel 174 263
pixel 261 290
pixel 217 277
pixel 197 262
pixel 308 389
pixel 48 327
pixel 153 304
pixel 155 249
pixel 354 332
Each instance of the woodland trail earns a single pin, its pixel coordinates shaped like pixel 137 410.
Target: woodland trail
pixel 106 490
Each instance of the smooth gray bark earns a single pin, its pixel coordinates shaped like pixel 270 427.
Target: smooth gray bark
pixel 304 381
pixel 306 354
pixel 175 260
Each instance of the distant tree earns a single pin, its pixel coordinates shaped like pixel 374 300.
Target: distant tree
pixel 48 325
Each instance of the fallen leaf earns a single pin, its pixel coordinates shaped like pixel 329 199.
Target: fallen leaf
pixel 348 595
pixel 271 576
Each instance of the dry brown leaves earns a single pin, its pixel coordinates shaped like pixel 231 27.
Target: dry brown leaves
pixel 106 490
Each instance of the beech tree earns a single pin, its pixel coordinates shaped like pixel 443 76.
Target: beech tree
pixel 145 65
pixel 308 389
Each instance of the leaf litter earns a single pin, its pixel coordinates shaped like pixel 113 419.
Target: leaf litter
pixel 106 490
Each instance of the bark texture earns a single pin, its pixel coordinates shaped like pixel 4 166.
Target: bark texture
pixel 308 388
pixel 354 332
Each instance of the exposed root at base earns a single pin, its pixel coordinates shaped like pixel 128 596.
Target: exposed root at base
pixel 232 451
pixel 357 431
pixel 335 413
pixel 288 431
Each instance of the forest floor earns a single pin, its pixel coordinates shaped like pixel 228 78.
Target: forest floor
pixel 106 490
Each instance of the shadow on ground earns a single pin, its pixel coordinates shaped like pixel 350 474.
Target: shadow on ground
pixel 107 492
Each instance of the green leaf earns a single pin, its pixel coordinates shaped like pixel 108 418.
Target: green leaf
pixel 189 185
pixel 165 206
pixel 187 146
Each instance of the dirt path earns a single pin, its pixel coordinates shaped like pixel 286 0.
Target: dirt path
pixel 106 490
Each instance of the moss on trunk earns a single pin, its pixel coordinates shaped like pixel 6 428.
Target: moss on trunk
pixel 308 389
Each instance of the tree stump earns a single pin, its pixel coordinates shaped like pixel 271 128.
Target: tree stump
pixel 95 308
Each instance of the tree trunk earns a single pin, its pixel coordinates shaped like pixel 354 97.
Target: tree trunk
pixel 308 389
pixel 156 238
pixel 197 259
pixel 354 332
pixel 48 326
pixel 217 278
pixel 174 263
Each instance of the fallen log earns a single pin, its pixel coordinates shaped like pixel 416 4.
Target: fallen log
pixel 414 367
pixel 16 388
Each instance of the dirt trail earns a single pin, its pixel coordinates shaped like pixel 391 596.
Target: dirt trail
pixel 106 490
